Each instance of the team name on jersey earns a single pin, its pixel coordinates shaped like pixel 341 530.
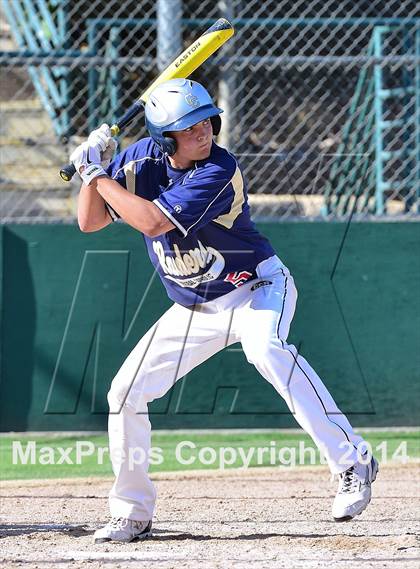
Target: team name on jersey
pixel 191 262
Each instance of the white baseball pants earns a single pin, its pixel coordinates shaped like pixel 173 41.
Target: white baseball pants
pixel 182 339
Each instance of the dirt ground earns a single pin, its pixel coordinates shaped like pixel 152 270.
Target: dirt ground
pixel 266 518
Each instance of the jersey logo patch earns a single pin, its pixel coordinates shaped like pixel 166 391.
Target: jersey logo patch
pixel 260 284
pixel 238 278
pixel 201 264
pixel 177 209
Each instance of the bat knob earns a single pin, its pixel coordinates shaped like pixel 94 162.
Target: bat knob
pixel 67 172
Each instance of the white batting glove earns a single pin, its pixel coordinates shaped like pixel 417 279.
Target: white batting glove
pixel 102 138
pixel 108 153
pixel 92 157
pixel 87 161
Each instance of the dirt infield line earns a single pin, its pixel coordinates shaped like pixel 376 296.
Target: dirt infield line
pixel 267 517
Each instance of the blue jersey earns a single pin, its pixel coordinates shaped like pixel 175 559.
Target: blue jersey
pixel 215 246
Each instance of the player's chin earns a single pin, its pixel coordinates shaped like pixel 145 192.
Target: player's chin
pixel 203 151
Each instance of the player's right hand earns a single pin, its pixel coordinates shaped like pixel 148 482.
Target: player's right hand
pixel 87 161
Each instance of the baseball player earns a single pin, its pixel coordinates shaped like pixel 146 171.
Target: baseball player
pixel 188 197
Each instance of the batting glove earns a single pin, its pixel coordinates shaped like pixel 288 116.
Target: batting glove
pixel 102 138
pixel 92 157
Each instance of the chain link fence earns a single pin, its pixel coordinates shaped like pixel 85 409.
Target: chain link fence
pixel 321 98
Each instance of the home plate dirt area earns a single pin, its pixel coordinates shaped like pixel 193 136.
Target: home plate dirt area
pixel 261 517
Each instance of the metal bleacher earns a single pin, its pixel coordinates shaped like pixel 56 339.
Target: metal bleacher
pixel 380 149
pixel 376 159
pixel 39 28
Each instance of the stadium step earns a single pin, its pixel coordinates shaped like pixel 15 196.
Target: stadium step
pixel 24 118
pixel 29 148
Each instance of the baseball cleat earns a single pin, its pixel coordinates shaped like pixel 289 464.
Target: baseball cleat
pixel 122 529
pixel 354 490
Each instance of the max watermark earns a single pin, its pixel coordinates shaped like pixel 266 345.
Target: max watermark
pixel 192 455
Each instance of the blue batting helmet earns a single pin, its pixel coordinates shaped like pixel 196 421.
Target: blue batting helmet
pixel 176 105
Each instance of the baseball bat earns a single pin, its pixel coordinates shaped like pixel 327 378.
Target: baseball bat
pixel 182 66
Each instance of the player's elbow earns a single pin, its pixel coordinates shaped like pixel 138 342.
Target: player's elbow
pixel 87 225
pixel 157 223
pixel 152 231
pixel 90 220
pixel 158 228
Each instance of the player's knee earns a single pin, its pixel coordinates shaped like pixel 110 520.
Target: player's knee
pixel 134 396
pixel 116 398
pixel 119 395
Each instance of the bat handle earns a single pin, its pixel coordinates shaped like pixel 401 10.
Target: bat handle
pixel 126 119
pixel 68 171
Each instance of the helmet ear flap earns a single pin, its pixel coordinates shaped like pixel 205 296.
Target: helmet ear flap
pixel 169 145
pixel 216 123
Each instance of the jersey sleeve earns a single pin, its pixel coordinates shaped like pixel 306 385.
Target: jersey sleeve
pixel 130 168
pixel 200 197
pixel 116 169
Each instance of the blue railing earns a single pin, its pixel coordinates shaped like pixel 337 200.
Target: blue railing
pixel 358 175
pixel 361 178
pixel 34 28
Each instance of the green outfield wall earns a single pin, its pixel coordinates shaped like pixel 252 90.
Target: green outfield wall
pixel 73 305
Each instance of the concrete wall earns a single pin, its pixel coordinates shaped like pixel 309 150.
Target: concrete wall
pixel 73 305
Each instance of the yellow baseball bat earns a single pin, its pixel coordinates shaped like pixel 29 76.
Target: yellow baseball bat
pixel 182 66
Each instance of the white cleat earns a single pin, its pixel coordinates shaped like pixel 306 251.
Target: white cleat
pixel 122 529
pixel 354 490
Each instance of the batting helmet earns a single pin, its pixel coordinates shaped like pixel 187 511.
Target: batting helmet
pixel 176 105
